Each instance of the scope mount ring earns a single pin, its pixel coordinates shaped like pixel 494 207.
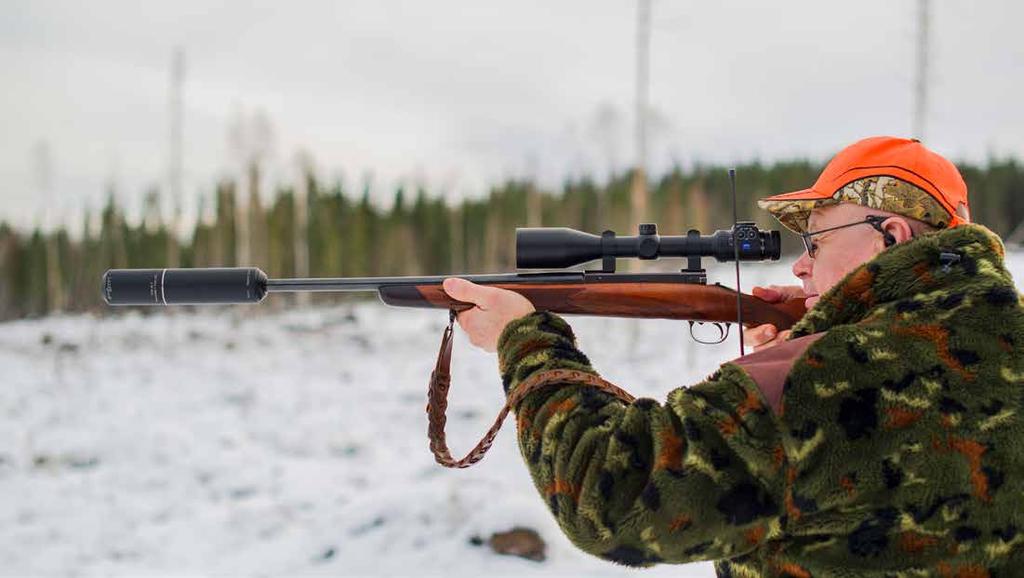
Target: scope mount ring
pixel 723 333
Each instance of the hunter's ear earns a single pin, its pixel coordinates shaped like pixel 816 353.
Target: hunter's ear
pixel 896 230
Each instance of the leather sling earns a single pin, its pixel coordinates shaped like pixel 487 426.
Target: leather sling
pixel 437 400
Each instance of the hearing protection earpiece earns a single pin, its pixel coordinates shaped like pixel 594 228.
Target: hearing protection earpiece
pixel 876 222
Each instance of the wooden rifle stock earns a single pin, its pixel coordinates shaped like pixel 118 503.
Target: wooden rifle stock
pixel 648 300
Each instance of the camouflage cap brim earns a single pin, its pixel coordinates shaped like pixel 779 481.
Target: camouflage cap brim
pixel 884 193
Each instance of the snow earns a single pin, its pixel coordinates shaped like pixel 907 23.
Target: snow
pixel 267 441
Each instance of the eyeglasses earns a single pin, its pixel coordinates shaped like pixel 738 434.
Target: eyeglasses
pixel 873 220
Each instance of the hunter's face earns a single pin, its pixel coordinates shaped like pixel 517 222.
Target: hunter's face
pixel 837 252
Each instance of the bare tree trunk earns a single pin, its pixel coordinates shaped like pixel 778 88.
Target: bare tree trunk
pixel 699 208
pixel 54 285
pixel 458 263
pixel 258 249
pixel 243 253
pixel 491 243
pixel 533 206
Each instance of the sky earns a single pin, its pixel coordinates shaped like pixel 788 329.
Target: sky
pixel 457 96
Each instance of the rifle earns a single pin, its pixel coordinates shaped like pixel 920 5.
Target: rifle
pixel 603 292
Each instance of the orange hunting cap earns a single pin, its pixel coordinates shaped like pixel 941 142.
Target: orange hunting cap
pixel 898 175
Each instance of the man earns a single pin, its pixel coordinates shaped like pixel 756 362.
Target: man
pixel 880 436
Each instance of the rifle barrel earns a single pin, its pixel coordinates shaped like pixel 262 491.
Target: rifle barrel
pixel 225 285
pixel 375 283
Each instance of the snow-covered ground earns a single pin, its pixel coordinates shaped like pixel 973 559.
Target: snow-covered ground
pixel 246 442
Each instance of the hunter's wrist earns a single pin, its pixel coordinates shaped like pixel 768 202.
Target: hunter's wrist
pixel 515 325
pixel 546 330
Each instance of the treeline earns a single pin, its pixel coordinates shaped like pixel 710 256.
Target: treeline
pixel 322 229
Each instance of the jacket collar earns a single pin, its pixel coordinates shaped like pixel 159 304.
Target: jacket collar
pixel 956 258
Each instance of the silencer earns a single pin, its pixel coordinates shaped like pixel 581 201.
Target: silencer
pixel 184 286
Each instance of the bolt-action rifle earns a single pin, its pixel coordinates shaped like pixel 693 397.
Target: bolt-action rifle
pixel 604 292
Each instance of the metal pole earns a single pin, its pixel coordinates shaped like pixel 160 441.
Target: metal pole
pixel 921 81
pixel 643 47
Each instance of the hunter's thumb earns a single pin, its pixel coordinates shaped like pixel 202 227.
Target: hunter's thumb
pixel 768 294
pixel 465 291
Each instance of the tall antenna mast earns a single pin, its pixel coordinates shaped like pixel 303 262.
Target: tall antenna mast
pixel 638 196
pixel 176 163
pixel 921 81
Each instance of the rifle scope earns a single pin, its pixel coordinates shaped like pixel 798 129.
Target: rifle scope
pixel 560 247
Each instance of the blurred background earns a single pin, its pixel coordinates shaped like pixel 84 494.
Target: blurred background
pixel 393 138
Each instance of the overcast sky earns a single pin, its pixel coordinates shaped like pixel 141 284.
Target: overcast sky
pixel 458 95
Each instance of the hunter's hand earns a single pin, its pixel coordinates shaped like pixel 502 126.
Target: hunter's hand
pixel 494 309
pixel 767 335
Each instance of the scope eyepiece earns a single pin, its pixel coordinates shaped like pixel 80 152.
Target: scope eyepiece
pixel 561 247
pixel 184 286
pixel 753 244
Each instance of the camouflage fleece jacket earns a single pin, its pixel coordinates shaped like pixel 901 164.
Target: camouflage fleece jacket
pixel 893 445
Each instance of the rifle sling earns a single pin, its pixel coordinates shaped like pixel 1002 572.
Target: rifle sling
pixel 437 400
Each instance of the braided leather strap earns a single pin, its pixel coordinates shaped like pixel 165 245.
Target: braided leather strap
pixel 437 401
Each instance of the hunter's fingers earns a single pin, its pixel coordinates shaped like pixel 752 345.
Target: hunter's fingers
pixel 469 321
pixel 478 326
pixel 779 338
pixel 472 321
pixel 767 293
pixel 759 335
pixel 778 293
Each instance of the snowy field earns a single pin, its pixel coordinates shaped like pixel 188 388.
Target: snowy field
pixel 247 442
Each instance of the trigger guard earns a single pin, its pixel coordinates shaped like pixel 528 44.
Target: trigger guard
pixel 723 334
